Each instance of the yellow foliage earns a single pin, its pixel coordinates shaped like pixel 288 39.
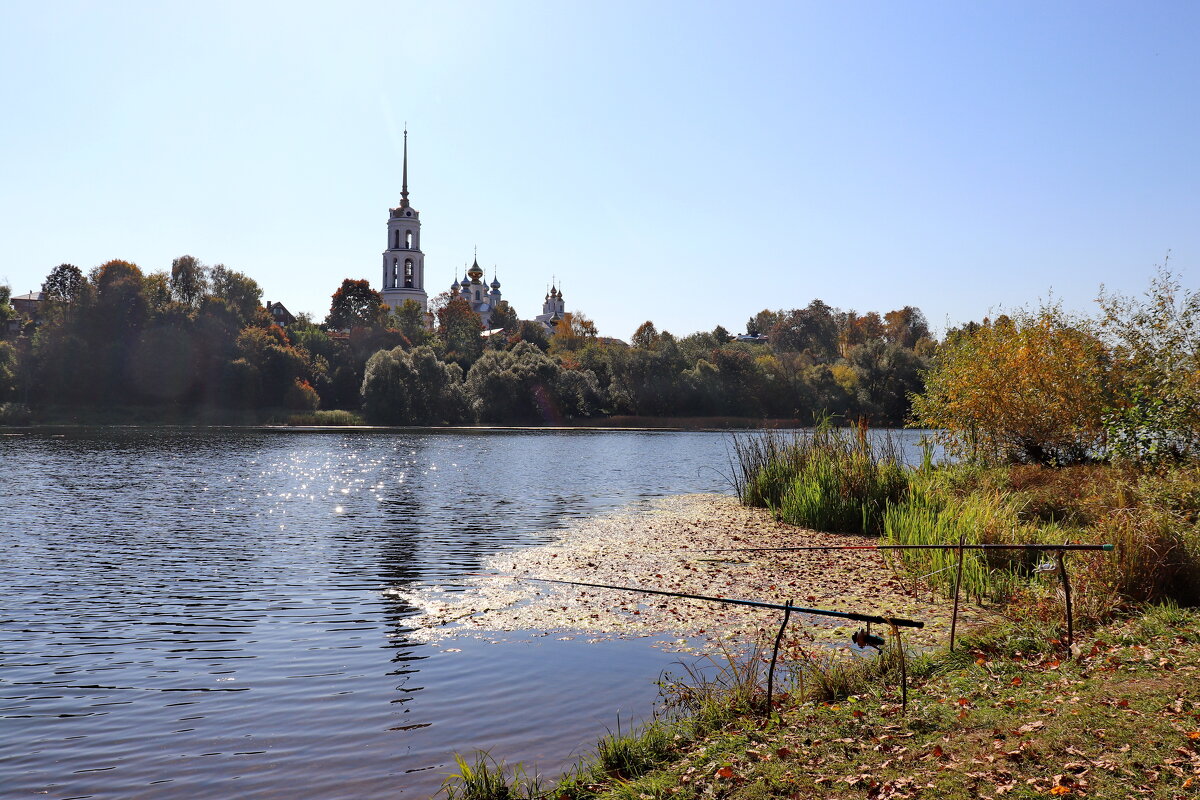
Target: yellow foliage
pixel 1029 388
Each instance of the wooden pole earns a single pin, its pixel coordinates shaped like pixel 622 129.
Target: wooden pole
pixel 903 671
pixel 787 612
pixel 1066 583
pixel 957 583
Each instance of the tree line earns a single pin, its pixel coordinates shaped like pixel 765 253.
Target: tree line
pixel 197 339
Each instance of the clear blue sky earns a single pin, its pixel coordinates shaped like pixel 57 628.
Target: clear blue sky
pixel 689 163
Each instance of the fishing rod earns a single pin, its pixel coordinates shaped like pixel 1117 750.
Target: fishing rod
pixel 820 612
pixel 1055 547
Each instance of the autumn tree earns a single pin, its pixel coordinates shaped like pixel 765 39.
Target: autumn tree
pixel 762 322
pixel 905 327
pixel 646 336
pixel 355 303
pixel 572 332
pixel 1029 389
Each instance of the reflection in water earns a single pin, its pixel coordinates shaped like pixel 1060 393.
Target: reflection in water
pixel 203 613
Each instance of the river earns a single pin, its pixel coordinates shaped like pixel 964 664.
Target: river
pixel 195 613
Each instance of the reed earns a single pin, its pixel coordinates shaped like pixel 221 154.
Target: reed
pixel 928 517
pixel 333 417
pixel 828 479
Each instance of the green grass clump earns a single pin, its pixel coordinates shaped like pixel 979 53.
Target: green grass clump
pixel 927 516
pixel 326 417
pixel 829 479
pixel 488 779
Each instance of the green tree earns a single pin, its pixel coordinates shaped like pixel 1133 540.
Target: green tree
pixel 8 369
pixel 189 280
pixel 241 292
pixel 1155 343
pixel 526 385
pixel 533 332
pixel 64 284
pixel 355 303
pixel 459 329
pixel 412 388
pixel 504 317
pixel 278 364
pixel 810 330
pixel 885 376
pixel 409 319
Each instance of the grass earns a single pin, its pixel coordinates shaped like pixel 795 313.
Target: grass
pixel 829 479
pixel 1011 712
pixel 326 417
pixel 488 779
pixel 1120 718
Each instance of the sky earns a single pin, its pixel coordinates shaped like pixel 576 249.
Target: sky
pixel 689 163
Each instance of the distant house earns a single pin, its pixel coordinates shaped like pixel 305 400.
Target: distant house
pixel 28 305
pixel 280 314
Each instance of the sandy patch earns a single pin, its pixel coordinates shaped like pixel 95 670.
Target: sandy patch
pixel 663 546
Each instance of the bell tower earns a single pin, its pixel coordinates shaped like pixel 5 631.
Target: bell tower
pixel 403 261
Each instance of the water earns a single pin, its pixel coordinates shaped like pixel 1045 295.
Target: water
pixel 194 614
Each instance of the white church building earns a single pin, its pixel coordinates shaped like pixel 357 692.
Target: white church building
pixel 404 268
pixel 403 261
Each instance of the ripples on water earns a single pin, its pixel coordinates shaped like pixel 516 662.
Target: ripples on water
pixel 203 614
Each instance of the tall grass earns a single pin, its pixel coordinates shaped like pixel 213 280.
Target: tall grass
pixel 488 779
pixel 928 517
pixel 828 479
pixel 332 416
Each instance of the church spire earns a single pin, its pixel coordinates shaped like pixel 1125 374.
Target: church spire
pixel 404 185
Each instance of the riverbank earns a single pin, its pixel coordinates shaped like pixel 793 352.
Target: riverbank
pixel 202 416
pixel 673 544
pixel 1119 719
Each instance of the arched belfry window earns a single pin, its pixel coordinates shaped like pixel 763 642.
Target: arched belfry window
pixel 408 273
pixel 392 273
pixel 408 240
pixel 396 240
